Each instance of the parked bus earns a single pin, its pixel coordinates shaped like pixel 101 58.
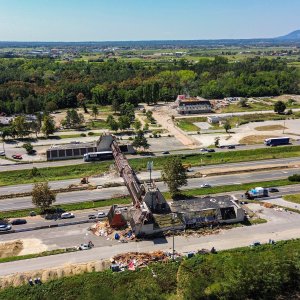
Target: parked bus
pixel 95 156
pixel 277 141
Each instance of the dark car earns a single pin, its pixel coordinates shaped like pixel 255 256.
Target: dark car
pixel 91 217
pixel 211 150
pixel 273 190
pixel 231 147
pixel 18 222
pixel 32 152
pixel 166 152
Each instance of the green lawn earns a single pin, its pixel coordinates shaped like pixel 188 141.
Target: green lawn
pixel 263 272
pixel 97 124
pixel 292 198
pixel 139 164
pixel 186 124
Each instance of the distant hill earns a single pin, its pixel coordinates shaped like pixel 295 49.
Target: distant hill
pixel 295 35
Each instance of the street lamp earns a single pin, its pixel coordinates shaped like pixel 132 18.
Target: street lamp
pixel 173 230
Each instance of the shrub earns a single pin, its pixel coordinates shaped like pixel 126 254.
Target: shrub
pixel 294 178
pixel 91 133
pixel 82 134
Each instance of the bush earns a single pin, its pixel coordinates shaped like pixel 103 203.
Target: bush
pixel 34 172
pixel 82 134
pixel 91 133
pixel 294 178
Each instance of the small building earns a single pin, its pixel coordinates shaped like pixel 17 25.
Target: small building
pixel 208 210
pixel 191 105
pixel 78 149
pixel 213 119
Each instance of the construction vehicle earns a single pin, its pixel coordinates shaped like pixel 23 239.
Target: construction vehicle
pixel 257 192
pixel 187 167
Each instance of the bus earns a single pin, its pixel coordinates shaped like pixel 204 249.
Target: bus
pixel 277 141
pixel 96 156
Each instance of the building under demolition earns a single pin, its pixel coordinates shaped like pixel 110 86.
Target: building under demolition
pixel 208 210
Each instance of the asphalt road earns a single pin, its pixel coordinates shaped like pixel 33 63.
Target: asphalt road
pixel 59 163
pixel 280 226
pixel 106 193
pixel 7 190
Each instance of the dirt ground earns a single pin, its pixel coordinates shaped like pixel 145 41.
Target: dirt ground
pixel 255 139
pixel 270 128
pixel 12 248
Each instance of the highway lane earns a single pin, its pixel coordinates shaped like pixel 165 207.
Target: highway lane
pixel 6 190
pixel 106 193
pixel 280 226
pixel 60 163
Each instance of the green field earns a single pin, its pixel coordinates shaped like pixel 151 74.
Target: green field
pixel 292 198
pixel 264 272
pixel 139 164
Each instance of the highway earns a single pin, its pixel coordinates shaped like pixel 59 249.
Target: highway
pixel 281 225
pixel 71 162
pixel 106 193
pixel 101 180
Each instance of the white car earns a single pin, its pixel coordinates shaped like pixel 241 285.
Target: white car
pixel 101 214
pixel 205 185
pixel 2 153
pixel 84 247
pixel 5 227
pixel 67 215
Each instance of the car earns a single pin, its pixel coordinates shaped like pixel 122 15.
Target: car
pixel 32 152
pixel 5 227
pixel 2 153
pixel 205 185
pixel 32 213
pixel 91 217
pixel 255 244
pixel 231 147
pixel 204 150
pixel 17 156
pixel 101 214
pixel 273 190
pixel 84 247
pixel 211 150
pixel 67 215
pixel 18 222
pixel 166 152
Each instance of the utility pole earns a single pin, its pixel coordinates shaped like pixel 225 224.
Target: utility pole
pixel 173 230
pixel 149 168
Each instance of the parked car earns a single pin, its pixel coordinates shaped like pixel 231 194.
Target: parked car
pixel 32 214
pixel 204 150
pixel 18 222
pixel 211 150
pixel 67 215
pixel 166 152
pixel 101 214
pixel 205 185
pixel 84 247
pixel 273 190
pixel 5 227
pixel 91 217
pixel 17 156
pixel 32 152
pixel 2 153
pixel 231 147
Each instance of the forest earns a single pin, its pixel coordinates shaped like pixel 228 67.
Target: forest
pixel 42 84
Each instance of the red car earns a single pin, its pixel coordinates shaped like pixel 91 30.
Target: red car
pixel 17 156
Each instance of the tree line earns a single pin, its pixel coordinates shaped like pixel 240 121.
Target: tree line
pixel 31 85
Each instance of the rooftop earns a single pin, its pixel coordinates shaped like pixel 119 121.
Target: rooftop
pixel 74 145
pixel 204 203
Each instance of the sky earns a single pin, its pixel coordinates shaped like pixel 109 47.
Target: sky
pixel 117 20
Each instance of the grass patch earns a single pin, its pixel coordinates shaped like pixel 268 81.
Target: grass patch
pixel 187 124
pixel 292 198
pixel 29 256
pixel 270 128
pixel 97 124
pixel 255 139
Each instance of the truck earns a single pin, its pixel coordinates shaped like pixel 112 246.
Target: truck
pixel 258 192
pixel 277 141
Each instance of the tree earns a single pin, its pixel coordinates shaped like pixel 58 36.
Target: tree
pixel 174 175
pixel 42 196
pixel 114 125
pixel 127 109
pixel 51 106
pixel 19 125
pixel 227 127
pixel 243 102
pixel 28 147
pixel 73 119
pixel 95 111
pixel 279 107
pixel 137 125
pixel 217 141
pixel 81 100
pixel 140 141
pixel 124 122
pixel 48 126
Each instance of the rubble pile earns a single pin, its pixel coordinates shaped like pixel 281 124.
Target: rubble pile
pixel 101 229
pixel 132 260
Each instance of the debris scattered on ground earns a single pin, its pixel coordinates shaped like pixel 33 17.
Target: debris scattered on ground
pixel 133 260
